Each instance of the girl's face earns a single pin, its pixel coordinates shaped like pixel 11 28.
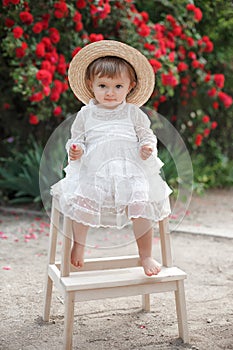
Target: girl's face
pixel 111 92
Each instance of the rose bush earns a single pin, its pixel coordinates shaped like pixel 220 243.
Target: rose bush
pixel 39 41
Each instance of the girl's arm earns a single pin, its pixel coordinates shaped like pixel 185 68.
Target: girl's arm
pixel 147 139
pixel 75 146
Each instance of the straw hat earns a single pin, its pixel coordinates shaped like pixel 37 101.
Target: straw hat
pixel 144 72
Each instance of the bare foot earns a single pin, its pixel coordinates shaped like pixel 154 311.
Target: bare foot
pixel 77 255
pixel 150 266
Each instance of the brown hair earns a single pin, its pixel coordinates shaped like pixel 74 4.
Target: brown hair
pixel 111 67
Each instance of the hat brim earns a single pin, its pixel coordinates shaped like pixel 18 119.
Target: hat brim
pixel 144 71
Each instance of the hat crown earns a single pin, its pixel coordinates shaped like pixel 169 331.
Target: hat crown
pixel 88 54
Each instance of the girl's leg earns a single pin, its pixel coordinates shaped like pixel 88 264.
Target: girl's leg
pixel 79 236
pixel 143 232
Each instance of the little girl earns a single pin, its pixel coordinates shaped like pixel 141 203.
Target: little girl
pixel 113 175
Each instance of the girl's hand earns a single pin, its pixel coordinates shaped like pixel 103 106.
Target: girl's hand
pixel 145 151
pixel 75 152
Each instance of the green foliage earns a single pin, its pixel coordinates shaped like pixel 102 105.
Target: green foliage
pixel 19 175
pixel 217 172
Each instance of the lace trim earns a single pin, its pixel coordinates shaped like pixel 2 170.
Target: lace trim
pixel 101 113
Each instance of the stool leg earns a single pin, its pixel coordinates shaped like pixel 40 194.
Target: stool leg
pixel 54 227
pixel 67 237
pixel 181 312
pixel 146 302
pixel 69 320
pixel 48 298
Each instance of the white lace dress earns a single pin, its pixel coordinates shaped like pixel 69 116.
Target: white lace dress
pixel 111 184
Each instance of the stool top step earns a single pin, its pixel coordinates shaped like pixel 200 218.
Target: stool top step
pixel 87 280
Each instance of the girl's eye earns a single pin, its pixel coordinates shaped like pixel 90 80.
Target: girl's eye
pixel 102 86
pixel 118 86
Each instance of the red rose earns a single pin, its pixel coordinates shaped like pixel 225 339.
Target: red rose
pixel 103 13
pixel 61 68
pixel 190 41
pixel 6 106
pixel 20 51
pixel 57 111
pixel 212 92
pixel 162 99
pixel 158 53
pixel 206 43
pixel 171 19
pixel 149 47
pixel 47 42
pixel 219 80
pixel 155 64
pixel 173 118
pixel 214 125
pixel 54 35
pixel 6 2
pixel 177 30
pixel 144 30
pixel 9 22
pixel 169 79
pixel 78 26
pixel 44 76
pixel 182 67
pixel 15 2
pixel 182 52
pixel 65 87
pixel 192 55
pixel 76 51
pixel 37 28
pixel 33 119
pixel 190 7
pixel 95 37
pixel 40 50
pixel 61 9
pixel 215 105
pixel 46 90
pixel 145 16
pixel 198 140
pixel 46 65
pixel 52 56
pixel 54 95
pixel 226 99
pixel 195 63
pixel 137 21
pixel 80 4
pixel 17 32
pixel 207 77
pixel 26 17
pixel 58 86
pixel 156 105
pixel 206 132
pixel 184 80
pixel 209 47
pixel 206 119
pixel 171 56
pixel 197 14
pixel 77 17
pixel 37 97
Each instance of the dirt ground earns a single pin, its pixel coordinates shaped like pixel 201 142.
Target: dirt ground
pixel 202 246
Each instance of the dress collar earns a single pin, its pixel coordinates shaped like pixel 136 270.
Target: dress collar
pixel 100 109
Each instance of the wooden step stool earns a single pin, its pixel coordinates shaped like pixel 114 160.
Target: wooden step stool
pixel 108 277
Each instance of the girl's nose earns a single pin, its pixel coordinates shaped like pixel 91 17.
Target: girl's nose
pixel 110 92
